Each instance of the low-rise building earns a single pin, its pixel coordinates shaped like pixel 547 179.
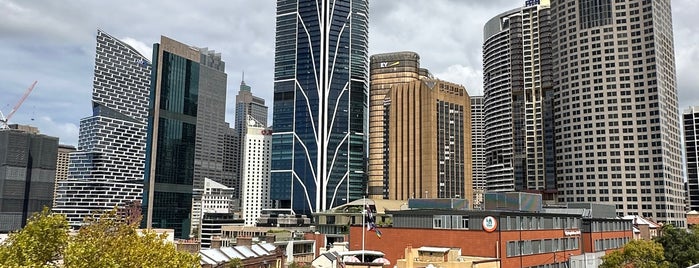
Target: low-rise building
pixel 262 255
pixel 518 239
pixel 443 257
pixel 644 228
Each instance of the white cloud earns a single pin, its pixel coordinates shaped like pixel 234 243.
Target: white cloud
pixel 67 132
pixel 139 46
pixel 467 76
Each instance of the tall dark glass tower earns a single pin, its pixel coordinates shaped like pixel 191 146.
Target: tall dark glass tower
pixel 185 132
pixel 320 104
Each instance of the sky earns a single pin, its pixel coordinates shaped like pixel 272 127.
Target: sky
pixel 53 42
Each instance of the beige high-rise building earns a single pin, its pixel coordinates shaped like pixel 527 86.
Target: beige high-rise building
pixel 616 116
pixel 62 160
pixel 429 137
pixel 386 70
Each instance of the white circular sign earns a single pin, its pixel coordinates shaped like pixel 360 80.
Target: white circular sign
pixel 490 224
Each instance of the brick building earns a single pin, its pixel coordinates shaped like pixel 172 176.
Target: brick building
pixel 518 239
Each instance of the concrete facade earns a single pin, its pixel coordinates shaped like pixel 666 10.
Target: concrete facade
pixel 27 176
pixel 429 141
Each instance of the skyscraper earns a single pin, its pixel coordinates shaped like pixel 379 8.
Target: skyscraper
pixel 517 101
pixel 27 169
pixel 616 118
pixel 107 169
pixel 429 136
pixel 231 160
pixel 477 150
pixel 691 145
pixel 255 170
pixel 320 92
pixel 186 129
pixel 246 105
pixel 386 71
pixel 62 161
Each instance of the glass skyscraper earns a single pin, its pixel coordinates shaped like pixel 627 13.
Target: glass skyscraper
pixel 184 126
pixel 320 104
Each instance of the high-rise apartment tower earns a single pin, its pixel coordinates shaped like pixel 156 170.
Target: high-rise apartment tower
pixel 320 104
pixel 106 171
pixel 517 101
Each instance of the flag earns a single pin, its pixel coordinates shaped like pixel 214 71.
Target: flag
pixel 378 233
pixel 372 227
pixel 371 221
pixel 368 217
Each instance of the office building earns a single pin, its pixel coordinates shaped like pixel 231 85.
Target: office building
pixel 246 105
pixel 231 159
pixel 106 171
pixel 62 161
pixel 429 136
pixel 617 118
pixel 186 129
pixel 386 71
pixel 215 198
pixel 256 151
pixel 320 109
pixel 691 145
pixel 477 150
pixel 27 175
pixel 518 101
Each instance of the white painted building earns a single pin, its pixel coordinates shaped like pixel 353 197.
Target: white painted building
pixel 257 148
pixel 215 198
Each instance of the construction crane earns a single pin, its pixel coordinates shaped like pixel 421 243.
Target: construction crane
pixel 5 119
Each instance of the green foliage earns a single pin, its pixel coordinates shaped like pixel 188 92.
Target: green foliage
pixel 235 263
pixel 38 244
pixel 105 241
pixel 681 246
pixel 638 254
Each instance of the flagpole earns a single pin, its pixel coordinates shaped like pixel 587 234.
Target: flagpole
pixel 363 231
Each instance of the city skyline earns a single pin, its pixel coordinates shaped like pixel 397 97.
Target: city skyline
pixel 48 43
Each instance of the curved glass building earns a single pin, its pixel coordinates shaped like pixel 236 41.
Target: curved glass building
pixel 320 104
pixel 517 105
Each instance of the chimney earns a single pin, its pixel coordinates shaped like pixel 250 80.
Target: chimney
pixel 243 241
pixel 216 242
pixel 269 239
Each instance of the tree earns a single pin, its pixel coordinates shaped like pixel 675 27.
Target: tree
pixel 104 241
pixel 235 263
pixel 638 254
pixel 681 246
pixel 107 241
pixel 38 244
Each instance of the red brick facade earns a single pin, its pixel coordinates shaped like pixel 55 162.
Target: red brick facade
pixel 472 243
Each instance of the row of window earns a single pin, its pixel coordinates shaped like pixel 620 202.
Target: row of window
pixel 530 247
